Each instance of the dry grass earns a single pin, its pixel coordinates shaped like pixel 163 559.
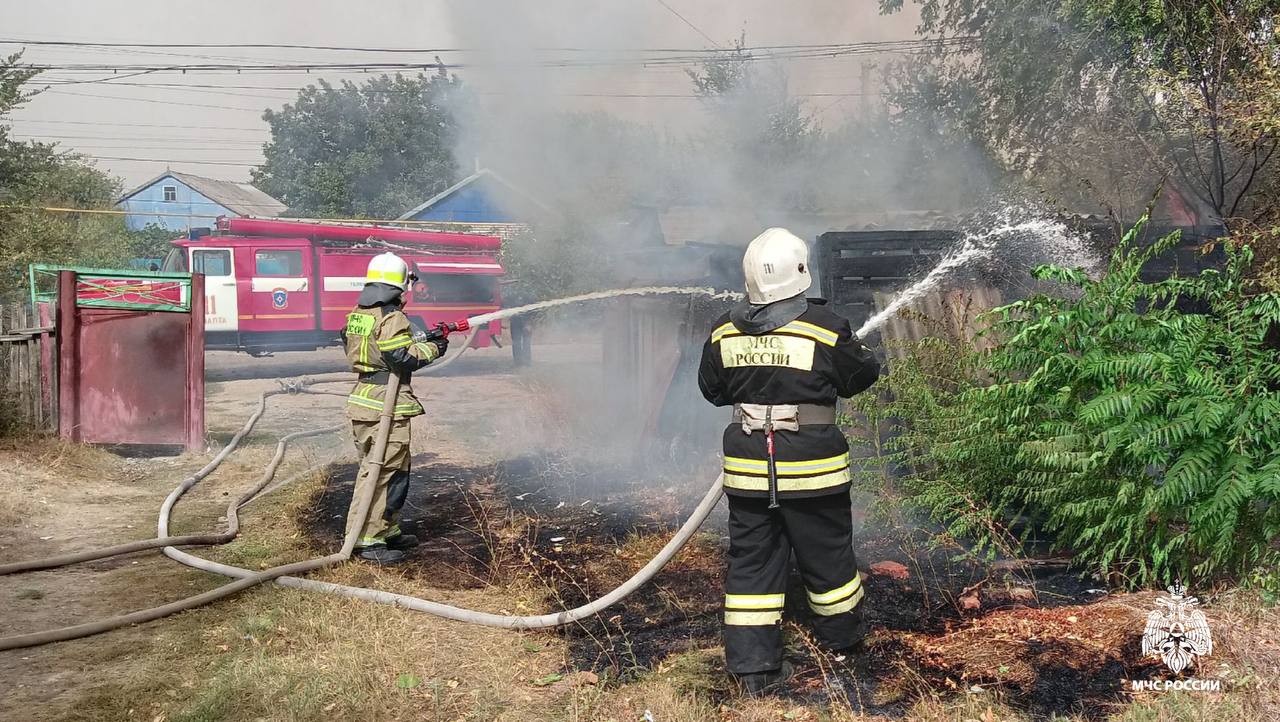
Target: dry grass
pixel 283 654
pixel 34 465
pixel 279 654
pixel 1011 647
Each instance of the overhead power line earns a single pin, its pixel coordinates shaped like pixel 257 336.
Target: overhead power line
pixel 153 100
pixel 686 21
pixel 245 164
pixel 363 49
pixel 461 227
pixel 222 142
pixel 215 89
pixel 131 125
pixel 748 55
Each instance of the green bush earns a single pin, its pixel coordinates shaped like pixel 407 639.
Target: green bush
pixel 1146 438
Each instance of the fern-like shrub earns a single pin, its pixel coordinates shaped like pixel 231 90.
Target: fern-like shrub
pixel 1144 437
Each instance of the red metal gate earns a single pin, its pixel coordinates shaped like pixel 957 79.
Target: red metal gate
pixel 131 358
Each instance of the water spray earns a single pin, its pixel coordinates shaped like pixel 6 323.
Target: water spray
pixel 977 247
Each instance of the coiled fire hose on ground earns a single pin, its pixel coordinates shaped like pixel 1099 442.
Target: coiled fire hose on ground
pixel 247 578
pixel 364 496
pixel 233 518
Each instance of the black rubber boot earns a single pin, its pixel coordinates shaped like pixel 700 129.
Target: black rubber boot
pixel 758 684
pixel 402 542
pixel 380 555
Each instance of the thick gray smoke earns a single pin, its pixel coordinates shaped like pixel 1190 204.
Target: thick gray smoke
pixel 576 105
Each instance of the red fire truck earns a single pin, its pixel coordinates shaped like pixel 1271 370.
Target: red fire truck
pixel 288 285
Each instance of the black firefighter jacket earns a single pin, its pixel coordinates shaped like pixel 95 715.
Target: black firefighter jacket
pixel 807 355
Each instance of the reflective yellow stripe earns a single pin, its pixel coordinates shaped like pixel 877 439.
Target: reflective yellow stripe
pixel 803 483
pixel 735 464
pixel 429 351
pixel 817 333
pixel 836 594
pixel 722 331
pixel 385 277
pixel 377 405
pixel 755 601
pixel 752 619
pixel 366 403
pixel 395 342
pixel 839 607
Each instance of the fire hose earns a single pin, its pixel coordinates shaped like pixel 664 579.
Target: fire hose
pixel 364 498
pixel 233 519
pixel 282 574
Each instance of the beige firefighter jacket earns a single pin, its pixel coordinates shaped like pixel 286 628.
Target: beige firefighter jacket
pixel 379 341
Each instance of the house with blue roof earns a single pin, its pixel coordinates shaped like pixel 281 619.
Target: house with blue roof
pixel 182 201
pixel 482 198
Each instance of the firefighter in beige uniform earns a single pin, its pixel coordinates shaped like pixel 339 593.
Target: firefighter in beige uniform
pixel 380 341
pixel 782 361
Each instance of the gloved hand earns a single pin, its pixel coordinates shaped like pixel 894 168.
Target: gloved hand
pixel 442 345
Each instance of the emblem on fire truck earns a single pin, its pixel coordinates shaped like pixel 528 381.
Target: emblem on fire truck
pixel 279 298
pixel 1177 631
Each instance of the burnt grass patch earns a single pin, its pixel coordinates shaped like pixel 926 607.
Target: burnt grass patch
pixel 1035 633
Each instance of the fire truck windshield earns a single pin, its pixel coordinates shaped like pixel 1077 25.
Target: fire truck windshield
pixel 175 261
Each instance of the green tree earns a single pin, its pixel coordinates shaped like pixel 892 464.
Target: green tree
pixel 1100 96
pixel 36 175
pixel 373 150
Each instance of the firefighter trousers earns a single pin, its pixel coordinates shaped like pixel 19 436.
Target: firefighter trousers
pixel 820 532
pixel 391 484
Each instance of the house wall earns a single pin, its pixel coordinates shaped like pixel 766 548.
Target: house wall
pixel 475 203
pixel 195 209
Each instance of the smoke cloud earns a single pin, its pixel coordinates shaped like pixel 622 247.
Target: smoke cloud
pixel 578 104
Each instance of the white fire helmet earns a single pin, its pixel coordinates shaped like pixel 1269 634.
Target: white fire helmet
pixel 776 266
pixel 390 269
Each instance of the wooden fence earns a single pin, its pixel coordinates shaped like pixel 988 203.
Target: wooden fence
pixel 28 397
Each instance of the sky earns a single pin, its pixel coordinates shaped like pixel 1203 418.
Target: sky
pixel 210 123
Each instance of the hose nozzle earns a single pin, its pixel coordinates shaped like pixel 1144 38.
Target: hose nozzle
pixel 444 328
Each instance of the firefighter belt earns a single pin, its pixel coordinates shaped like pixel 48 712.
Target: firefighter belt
pixel 784 417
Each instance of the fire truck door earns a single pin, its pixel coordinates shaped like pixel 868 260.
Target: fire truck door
pixel 281 294
pixel 221 309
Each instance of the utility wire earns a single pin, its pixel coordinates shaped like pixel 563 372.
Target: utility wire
pixel 142 139
pixel 131 125
pixel 218 90
pixel 99 211
pixel 170 160
pixel 823 52
pixel 686 21
pixel 350 48
pixel 152 100
pixel 354 221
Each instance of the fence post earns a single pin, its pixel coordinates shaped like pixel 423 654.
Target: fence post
pixel 33 372
pixel 48 367
pixel 68 354
pixel 195 366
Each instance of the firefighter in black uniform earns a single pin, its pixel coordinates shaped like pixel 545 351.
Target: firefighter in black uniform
pixel 782 361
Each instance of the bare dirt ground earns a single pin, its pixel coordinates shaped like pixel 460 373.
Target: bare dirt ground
pixel 526 503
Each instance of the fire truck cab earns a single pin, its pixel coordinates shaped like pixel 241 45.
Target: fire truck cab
pixel 288 285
